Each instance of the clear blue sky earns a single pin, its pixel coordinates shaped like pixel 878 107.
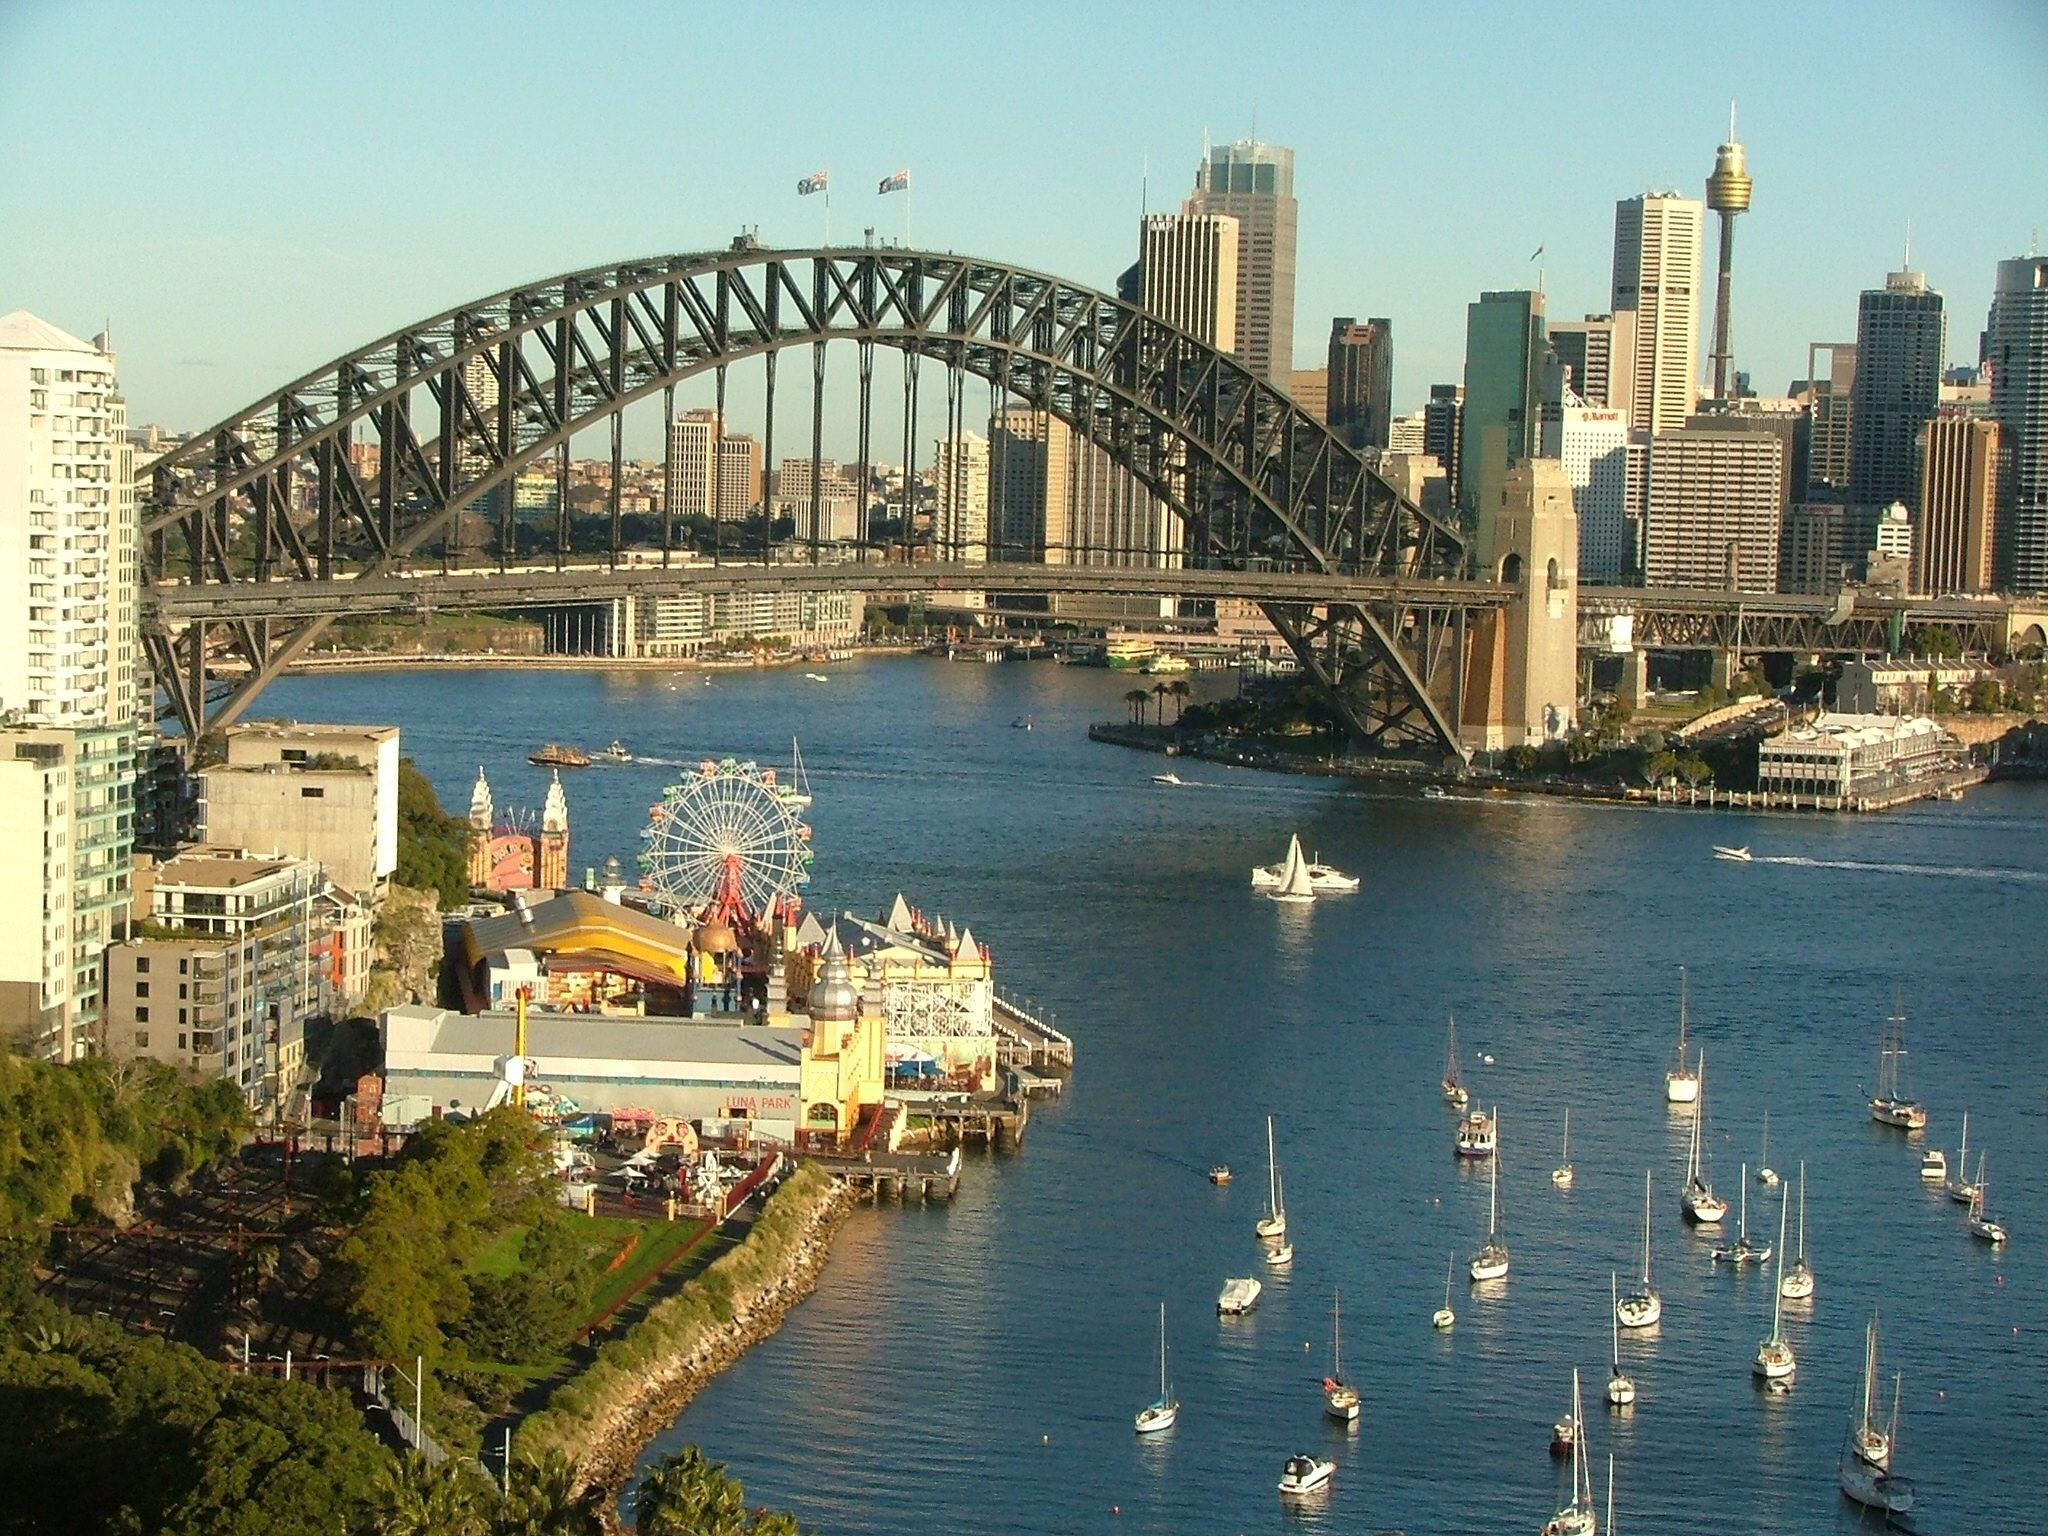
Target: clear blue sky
pixel 250 189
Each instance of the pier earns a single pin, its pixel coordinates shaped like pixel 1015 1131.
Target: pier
pixel 898 1175
pixel 1028 1040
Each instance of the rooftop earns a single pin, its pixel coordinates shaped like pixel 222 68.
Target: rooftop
pixel 580 919
pixel 213 868
pixel 24 332
pixel 558 1039
pixel 292 730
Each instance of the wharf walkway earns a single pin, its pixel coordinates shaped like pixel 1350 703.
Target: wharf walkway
pixel 1029 1040
pixel 898 1175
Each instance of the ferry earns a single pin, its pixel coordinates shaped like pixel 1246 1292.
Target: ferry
pixel 1128 655
pixel 555 755
pixel 1166 662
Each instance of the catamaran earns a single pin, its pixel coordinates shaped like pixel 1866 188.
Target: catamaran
pixel 1454 1090
pixel 1698 1198
pixel 1742 1250
pixel 1621 1391
pixel 1774 1358
pixel 1491 1261
pixel 1962 1189
pixel 1681 1086
pixel 1641 1307
pixel 1161 1413
pixel 1982 1225
pixel 1766 1175
pixel 1561 1175
pixel 1275 1224
pixel 1340 1398
pixel 1890 1106
pixel 1580 1517
pixel 1795 1281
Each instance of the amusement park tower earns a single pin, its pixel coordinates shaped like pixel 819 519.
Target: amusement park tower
pixel 1727 194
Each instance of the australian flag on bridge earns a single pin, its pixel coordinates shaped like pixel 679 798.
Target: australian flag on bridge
pixel 817 181
pixel 900 182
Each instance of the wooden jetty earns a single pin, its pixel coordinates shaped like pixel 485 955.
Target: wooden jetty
pixel 898 1175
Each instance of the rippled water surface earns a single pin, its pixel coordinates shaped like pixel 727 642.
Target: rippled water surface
pixel 974 1367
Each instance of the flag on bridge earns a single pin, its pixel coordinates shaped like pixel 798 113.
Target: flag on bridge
pixel 817 181
pixel 900 182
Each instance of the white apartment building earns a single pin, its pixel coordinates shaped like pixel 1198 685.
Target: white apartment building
pixel 692 622
pixel 739 477
pixel 69 664
pixel 1714 517
pixel 960 476
pixel 1409 434
pixel 325 793
pixel 1592 444
pixel 693 464
pixel 1657 279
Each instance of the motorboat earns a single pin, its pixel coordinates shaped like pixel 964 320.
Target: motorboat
pixel 1933 1166
pixel 616 752
pixel 1435 792
pixel 1580 1517
pixel 1476 1135
pixel 556 755
pixel 1294 884
pixel 1621 1389
pixel 1220 1174
pixel 1698 1200
pixel 1274 1223
pixel 1170 777
pixel 1766 1175
pixel 1961 1188
pixel 1890 1105
pixel 1774 1358
pixel 1795 1280
pixel 1340 1398
pixel 1239 1295
pixel 1323 879
pixel 1163 1411
pixel 1681 1086
pixel 1491 1261
pixel 1734 855
pixel 1444 1317
pixel 1454 1090
pixel 1279 1254
pixel 1743 1250
pixel 1562 1175
pixel 817 677
pixel 1023 723
pixel 1641 1307
pixel 1981 1225
pixel 1304 1475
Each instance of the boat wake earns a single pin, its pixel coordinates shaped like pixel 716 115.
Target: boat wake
pixel 1938 871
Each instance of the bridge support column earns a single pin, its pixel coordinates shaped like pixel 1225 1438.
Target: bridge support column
pixel 1727 669
pixel 1522 667
pixel 1635 678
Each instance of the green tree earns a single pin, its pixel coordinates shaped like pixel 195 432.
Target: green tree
pixel 1659 766
pixel 433 847
pixel 1986 696
pixel 1180 690
pixel 1522 759
pixel 688 1494
pixel 413 1498
pixel 1134 701
pixel 1694 770
pixel 549 1497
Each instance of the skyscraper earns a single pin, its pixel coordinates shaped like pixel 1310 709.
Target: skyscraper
pixel 1714 513
pixel 739 477
pixel 1591 442
pixel 1188 266
pixel 960 478
pixel 1253 182
pixel 1031 485
pixel 1901 334
pixel 1657 277
pixel 1599 352
pixel 693 464
pixel 1828 407
pixel 1502 412
pixel 1362 380
pixel 1440 424
pixel 1962 465
pixel 2016 343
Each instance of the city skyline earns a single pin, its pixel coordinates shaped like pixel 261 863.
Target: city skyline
pixel 1398 216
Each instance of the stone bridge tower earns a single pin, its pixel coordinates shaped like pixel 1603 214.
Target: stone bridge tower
pixel 1522 670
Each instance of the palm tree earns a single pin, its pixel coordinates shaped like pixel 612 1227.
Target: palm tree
pixel 688 1494
pixel 1159 693
pixel 415 1498
pixel 1180 691
pixel 548 1497
pixel 1135 702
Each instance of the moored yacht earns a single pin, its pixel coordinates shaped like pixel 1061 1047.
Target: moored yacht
pixel 1340 1398
pixel 1742 1250
pixel 1454 1090
pixel 1641 1307
pixel 1774 1359
pixel 1698 1199
pixel 1795 1280
pixel 1869 1482
pixel 1274 1223
pixel 1621 1390
pixel 1444 1317
pixel 1981 1224
pixel 1476 1134
pixel 1162 1412
pixel 1304 1474
pixel 1766 1175
pixel 1962 1189
pixel 1491 1261
pixel 1239 1295
pixel 1682 1085
pixel 1562 1175
pixel 1890 1105
pixel 1578 1518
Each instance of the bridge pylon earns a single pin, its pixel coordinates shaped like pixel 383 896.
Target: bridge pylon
pixel 1522 674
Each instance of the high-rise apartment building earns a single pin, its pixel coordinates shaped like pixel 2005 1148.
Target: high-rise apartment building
pixel 1362 380
pixel 738 481
pixel 1502 413
pixel 1253 183
pixel 693 464
pixel 1901 336
pixel 69 677
pixel 1810 556
pixel 1962 474
pixel 1827 401
pixel 1188 264
pixel 1592 443
pixel 1441 419
pixel 1657 278
pixel 960 479
pixel 1599 354
pixel 2016 348
pixel 1409 433
pixel 1031 485
pixel 1713 515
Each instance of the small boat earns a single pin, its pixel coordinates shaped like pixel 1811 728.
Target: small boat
pixel 1239 1295
pixel 1982 1225
pixel 1476 1136
pixel 795 791
pixel 1742 1250
pixel 1733 855
pixel 1279 1254
pixel 1323 879
pixel 1444 1316
pixel 616 752
pixel 1454 1090
pixel 1774 1359
pixel 1434 792
pixel 1890 1105
pixel 1022 723
pixel 1795 1281
pixel 1641 1307
pixel 1960 1188
pixel 1933 1165
pixel 1683 1085
pixel 1274 1223
pixel 817 677
pixel 1295 884
pixel 1871 1483
pixel 1766 1175
pixel 1578 1518
pixel 1621 1390
pixel 1161 1413
pixel 1304 1475
pixel 1491 1261
pixel 1220 1174
pixel 1701 1205
pixel 1168 777
pixel 1340 1398
pixel 556 755
pixel 1561 1175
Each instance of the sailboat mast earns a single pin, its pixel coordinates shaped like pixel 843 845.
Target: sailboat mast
pixel 1162 1351
pixel 1337 1334
pixel 1493 1185
pixel 1582 1475
pixel 1778 1291
pixel 1614 1315
pixel 1646 1228
pixel 1802 1211
pixel 1272 1170
pixel 1681 1018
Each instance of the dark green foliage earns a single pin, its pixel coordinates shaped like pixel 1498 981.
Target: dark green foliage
pixel 433 847
pixel 531 1313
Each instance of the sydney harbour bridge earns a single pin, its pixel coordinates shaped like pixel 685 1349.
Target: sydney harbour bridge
pixel 264 530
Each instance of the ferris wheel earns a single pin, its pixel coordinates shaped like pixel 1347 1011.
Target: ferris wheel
pixel 729 833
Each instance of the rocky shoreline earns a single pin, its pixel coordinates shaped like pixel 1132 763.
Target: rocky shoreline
pixel 619 1436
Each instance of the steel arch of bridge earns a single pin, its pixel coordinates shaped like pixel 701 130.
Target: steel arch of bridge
pixel 508 379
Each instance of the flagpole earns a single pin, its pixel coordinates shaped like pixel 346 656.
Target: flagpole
pixel 906 211
pixel 828 213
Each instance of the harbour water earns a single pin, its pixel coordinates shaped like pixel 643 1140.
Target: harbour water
pixel 975 1366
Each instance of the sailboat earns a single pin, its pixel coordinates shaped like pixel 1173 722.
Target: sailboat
pixel 1641 1307
pixel 1766 1175
pixel 1774 1358
pixel 1578 1518
pixel 1961 1188
pixel 1454 1091
pixel 1868 1439
pixel 1340 1399
pixel 1698 1199
pixel 1795 1283
pixel 1621 1391
pixel 1890 1106
pixel 1982 1225
pixel 1491 1261
pixel 1295 884
pixel 1871 1485
pixel 1445 1317
pixel 1742 1250
pixel 1561 1175
pixel 1161 1413
pixel 1275 1224
pixel 796 794
pixel 1681 1086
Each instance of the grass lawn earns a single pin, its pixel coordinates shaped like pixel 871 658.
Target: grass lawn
pixel 604 1237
